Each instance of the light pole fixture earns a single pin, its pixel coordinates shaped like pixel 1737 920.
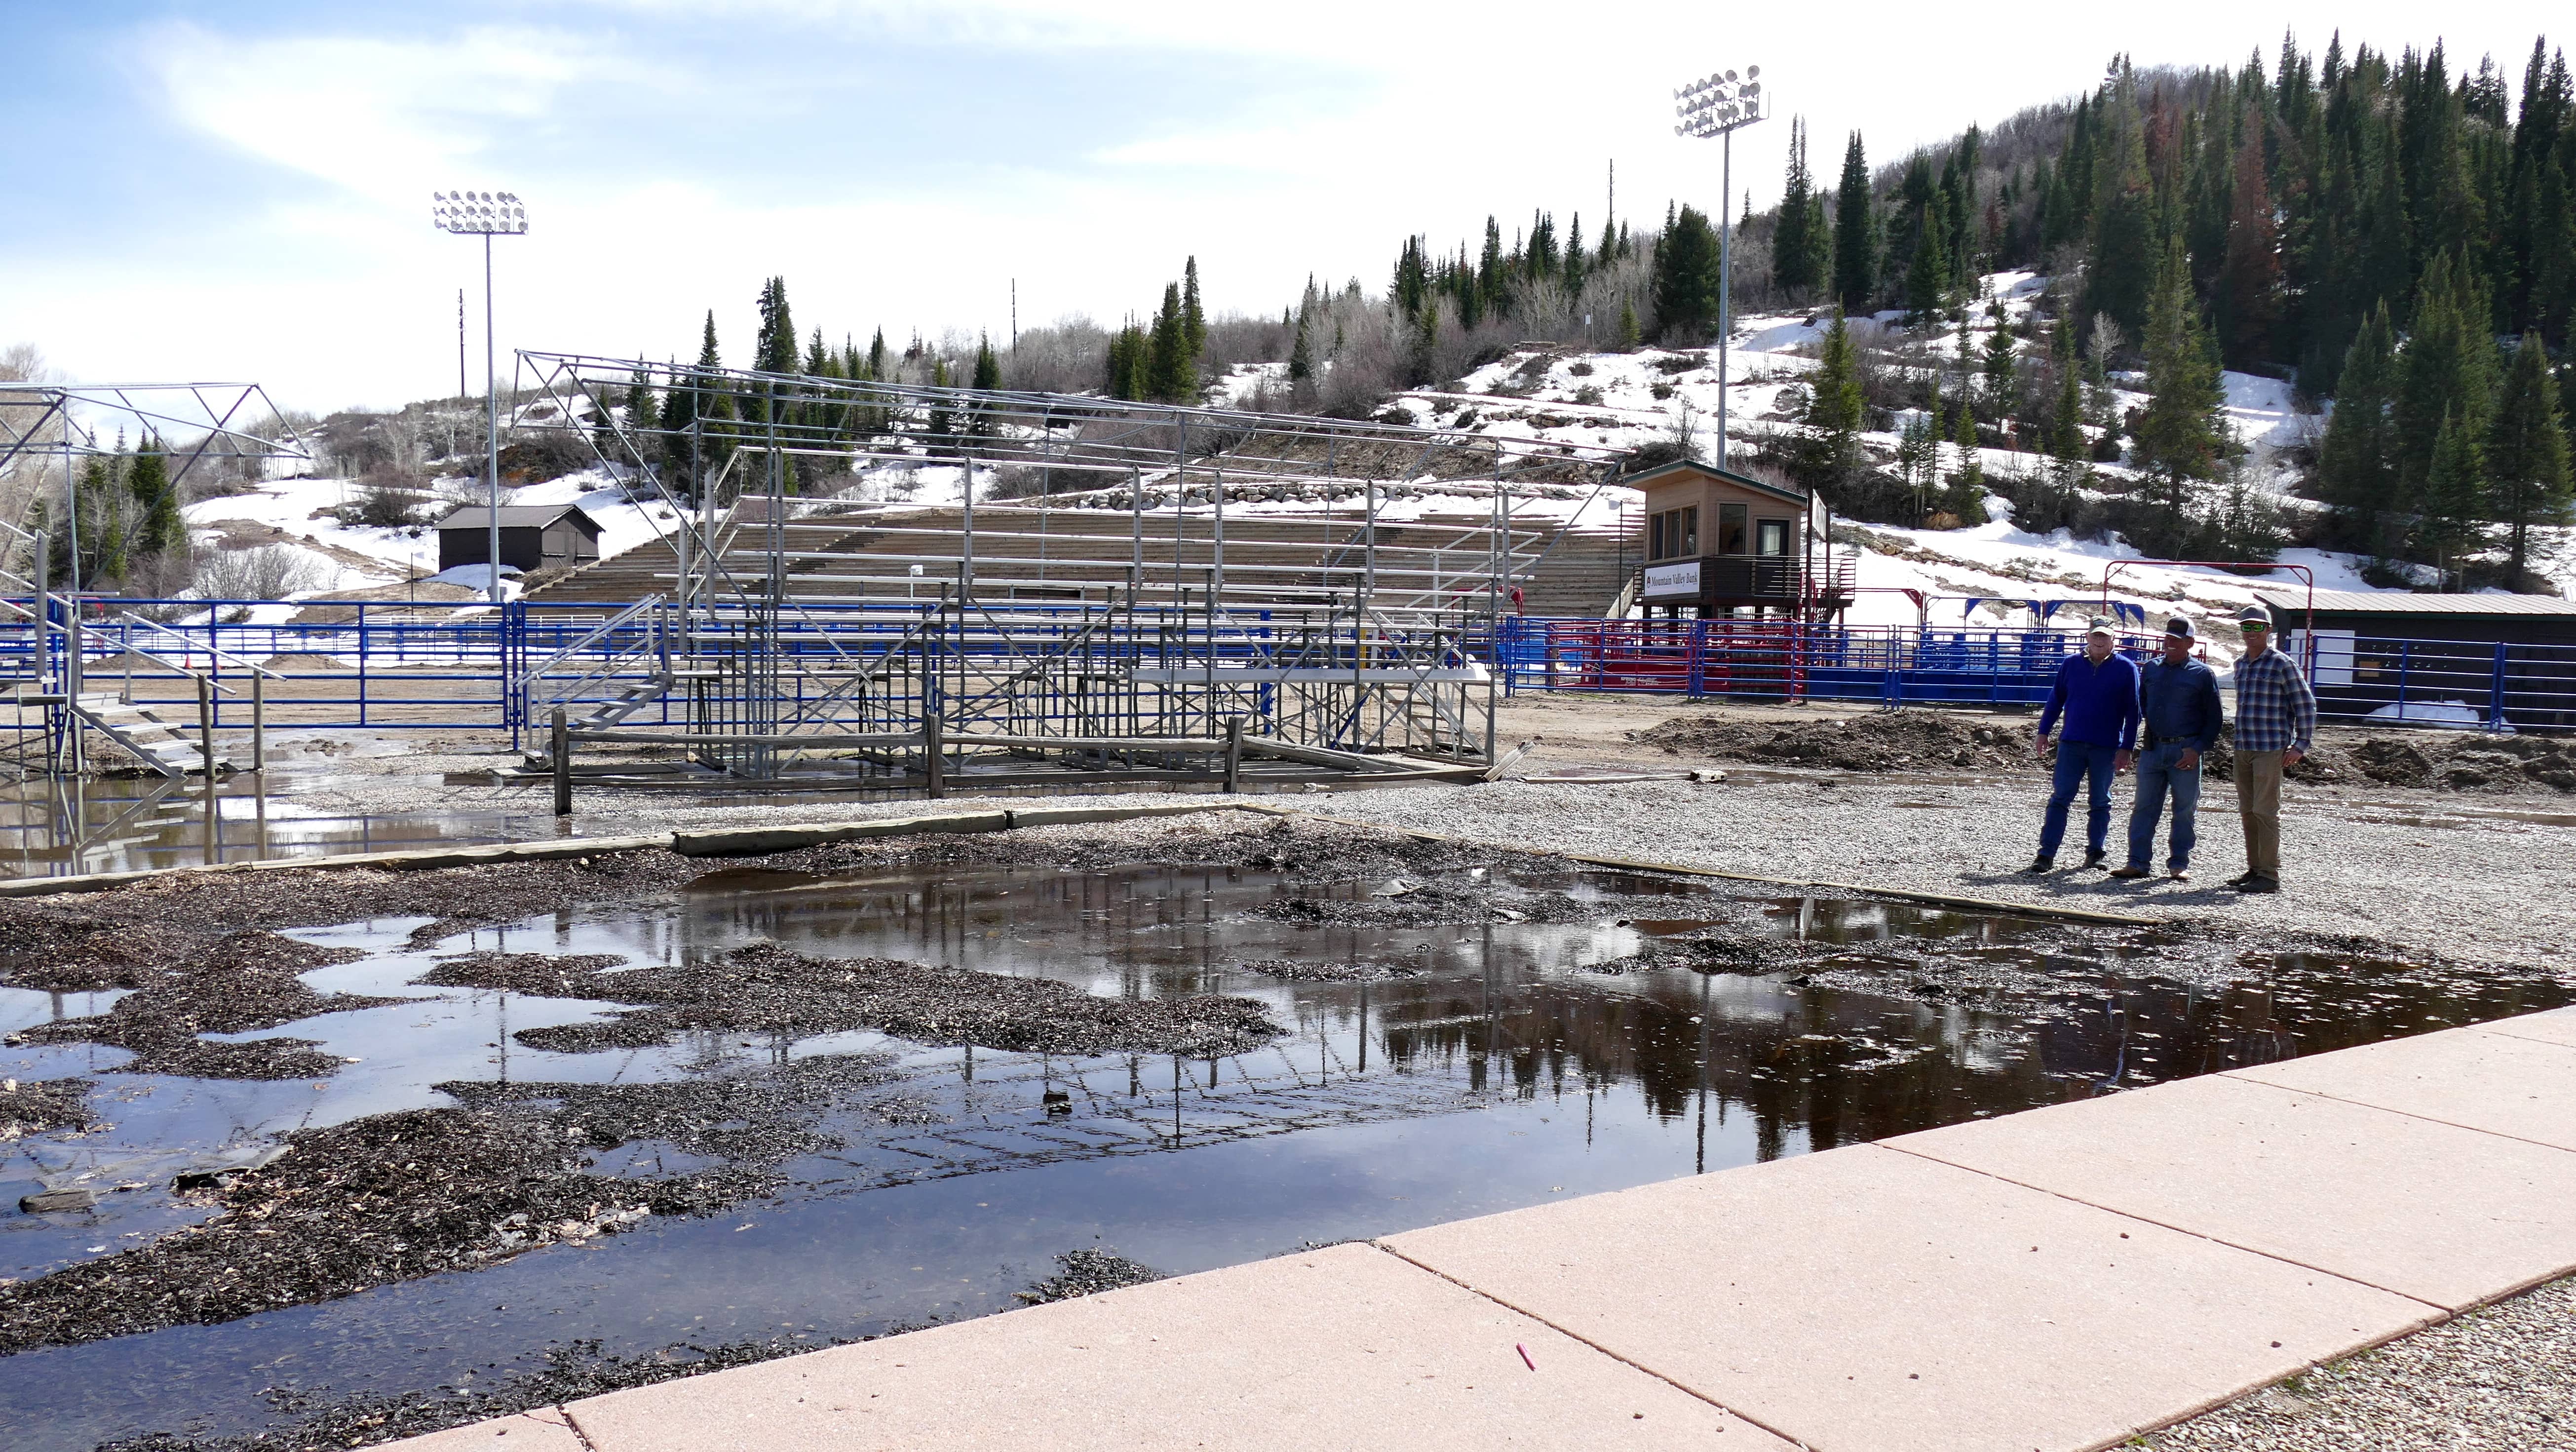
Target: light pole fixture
pixel 486 215
pixel 1718 106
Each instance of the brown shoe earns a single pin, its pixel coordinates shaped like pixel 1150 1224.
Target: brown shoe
pixel 2128 872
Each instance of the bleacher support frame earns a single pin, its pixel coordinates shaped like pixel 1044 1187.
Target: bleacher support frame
pixel 794 618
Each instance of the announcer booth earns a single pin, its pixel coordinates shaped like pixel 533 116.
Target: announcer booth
pixel 1725 545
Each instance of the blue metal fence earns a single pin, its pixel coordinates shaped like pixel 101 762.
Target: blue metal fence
pixel 396 666
pixel 2487 685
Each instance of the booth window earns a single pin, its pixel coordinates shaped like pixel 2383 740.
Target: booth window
pixel 1730 529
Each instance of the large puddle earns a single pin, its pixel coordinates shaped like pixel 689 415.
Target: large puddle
pixel 300 806
pixel 1429 1071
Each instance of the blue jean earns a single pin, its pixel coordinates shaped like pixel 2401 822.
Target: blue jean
pixel 2077 760
pixel 2158 772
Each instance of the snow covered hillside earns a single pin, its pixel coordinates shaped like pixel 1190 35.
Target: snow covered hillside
pixel 1986 575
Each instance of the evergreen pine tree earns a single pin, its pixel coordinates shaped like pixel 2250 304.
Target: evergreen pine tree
pixel 2002 386
pixel 1686 279
pixel 716 412
pixel 2250 279
pixel 1797 246
pixel 1927 277
pixel 2447 371
pixel 2178 437
pixel 1171 373
pixel 2357 463
pixel 643 415
pixel 1301 357
pixel 986 420
pixel 2552 294
pixel 1831 453
pixel 1966 498
pixel 679 419
pixel 1628 335
pixel 2452 497
pixel 1570 271
pixel 158 530
pixel 1490 295
pixel 2122 274
pixel 940 430
pixel 2527 455
pixel 1855 235
pixel 1193 314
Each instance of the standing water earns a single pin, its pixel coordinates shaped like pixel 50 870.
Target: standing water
pixel 1451 1046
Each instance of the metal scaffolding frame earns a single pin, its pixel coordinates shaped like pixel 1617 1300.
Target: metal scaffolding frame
pixel 45 421
pixel 1081 603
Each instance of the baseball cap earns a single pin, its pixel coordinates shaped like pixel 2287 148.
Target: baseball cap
pixel 2254 617
pixel 2179 626
pixel 2101 626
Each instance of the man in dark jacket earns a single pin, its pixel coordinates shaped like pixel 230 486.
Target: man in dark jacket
pixel 2178 702
pixel 2098 693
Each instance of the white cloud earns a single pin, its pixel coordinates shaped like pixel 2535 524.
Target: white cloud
pixel 372 116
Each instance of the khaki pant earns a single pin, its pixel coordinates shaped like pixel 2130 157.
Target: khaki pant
pixel 2258 802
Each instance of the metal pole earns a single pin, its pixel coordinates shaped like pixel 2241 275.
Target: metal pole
pixel 561 752
pixel 1725 281
pixel 1234 753
pixel 934 762
pixel 966 564
pixel 492 436
pixel 258 721
pixel 206 724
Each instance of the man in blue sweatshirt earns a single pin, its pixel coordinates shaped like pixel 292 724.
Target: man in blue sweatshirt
pixel 2178 702
pixel 2098 693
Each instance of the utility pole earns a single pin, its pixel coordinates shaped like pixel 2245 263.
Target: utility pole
pixel 460 345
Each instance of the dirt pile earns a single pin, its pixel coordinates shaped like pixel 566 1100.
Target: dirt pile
pixel 1876 741
pixel 1933 741
pixel 763 989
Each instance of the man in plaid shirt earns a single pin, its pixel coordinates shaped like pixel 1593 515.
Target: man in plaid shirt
pixel 2276 722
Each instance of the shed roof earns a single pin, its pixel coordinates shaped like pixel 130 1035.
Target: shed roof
pixel 2399 602
pixel 516 516
pixel 1664 474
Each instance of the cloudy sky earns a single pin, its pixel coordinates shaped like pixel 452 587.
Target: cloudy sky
pixel 240 191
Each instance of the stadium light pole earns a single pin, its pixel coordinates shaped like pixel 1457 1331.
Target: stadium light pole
pixel 1719 106
pixel 486 215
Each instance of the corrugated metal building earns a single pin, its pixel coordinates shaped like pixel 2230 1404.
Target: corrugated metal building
pixel 2486 659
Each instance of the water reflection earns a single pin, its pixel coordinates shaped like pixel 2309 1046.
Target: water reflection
pixel 1464 1067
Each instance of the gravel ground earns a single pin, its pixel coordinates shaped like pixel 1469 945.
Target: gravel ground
pixel 2464 875
pixel 2502 1379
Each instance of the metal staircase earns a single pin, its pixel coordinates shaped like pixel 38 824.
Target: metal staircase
pixel 145 737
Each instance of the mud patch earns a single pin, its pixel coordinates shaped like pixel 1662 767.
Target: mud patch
pixel 241 983
pixel 36 1106
pixel 763 989
pixel 1088 1273
pixel 392 1197
pixel 1298 970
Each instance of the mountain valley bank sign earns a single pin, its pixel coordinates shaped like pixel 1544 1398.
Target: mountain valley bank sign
pixel 1678 578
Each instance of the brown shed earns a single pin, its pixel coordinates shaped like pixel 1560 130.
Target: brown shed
pixel 1719 543
pixel 533 537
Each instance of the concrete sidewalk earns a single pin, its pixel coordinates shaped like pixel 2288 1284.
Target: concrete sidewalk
pixel 2054 1280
